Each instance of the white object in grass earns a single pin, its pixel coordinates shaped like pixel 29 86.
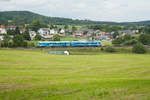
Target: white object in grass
pixel 66 52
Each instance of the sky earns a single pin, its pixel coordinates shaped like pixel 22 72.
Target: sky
pixel 99 10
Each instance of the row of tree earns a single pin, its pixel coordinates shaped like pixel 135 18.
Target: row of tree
pixel 128 40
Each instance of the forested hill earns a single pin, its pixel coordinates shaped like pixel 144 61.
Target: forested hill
pixel 26 17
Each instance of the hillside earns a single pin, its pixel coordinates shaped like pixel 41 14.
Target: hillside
pixel 26 17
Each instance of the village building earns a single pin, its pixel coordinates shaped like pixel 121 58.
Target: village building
pixel 11 27
pixel 32 34
pixel 3 30
pixel 1 38
pixel 78 33
pixel 53 31
pixel 44 31
pixel 131 32
pixel 62 31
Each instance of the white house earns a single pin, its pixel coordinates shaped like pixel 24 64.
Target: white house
pixel 62 31
pixel 3 30
pixel 1 38
pixel 32 34
pixel 44 31
pixel 53 31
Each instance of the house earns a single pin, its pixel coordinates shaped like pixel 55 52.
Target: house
pixel 22 30
pixel 53 31
pixel 1 38
pixel 90 32
pixel 44 31
pixel 62 31
pixel 78 33
pixel 11 27
pixel 47 37
pixel 3 30
pixel 32 34
pixel 131 32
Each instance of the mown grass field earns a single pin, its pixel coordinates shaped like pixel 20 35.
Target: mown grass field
pixel 36 75
pixel 73 38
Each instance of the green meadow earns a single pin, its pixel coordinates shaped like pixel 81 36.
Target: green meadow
pixel 37 75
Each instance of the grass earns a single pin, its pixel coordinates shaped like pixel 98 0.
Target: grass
pixel 106 43
pixel 73 38
pixel 36 75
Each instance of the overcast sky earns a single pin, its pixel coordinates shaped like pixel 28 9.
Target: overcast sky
pixel 100 10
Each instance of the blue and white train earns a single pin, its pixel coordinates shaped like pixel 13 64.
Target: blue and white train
pixel 69 44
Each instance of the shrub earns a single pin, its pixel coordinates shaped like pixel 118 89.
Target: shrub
pixel 30 44
pixel 127 37
pixel 38 37
pixel 110 49
pixel 118 41
pixel 10 44
pixel 102 49
pixel 18 41
pixel 56 38
pixel 139 49
pixel 144 39
pixel 130 42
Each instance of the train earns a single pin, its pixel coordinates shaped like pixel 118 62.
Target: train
pixel 69 44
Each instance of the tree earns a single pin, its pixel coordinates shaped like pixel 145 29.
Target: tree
pixel 36 25
pixel 74 29
pixel 11 32
pixel 18 41
pixel 127 37
pixel 51 26
pixel 17 30
pixel 110 49
pixel 6 41
pixel 26 35
pixel 117 41
pixel 115 35
pixel 144 39
pixel 147 29
pixel 66 27
pixel 139 48
pixel 38 37
pixel 130 42
pixel 56 38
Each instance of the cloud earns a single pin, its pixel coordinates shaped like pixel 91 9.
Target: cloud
pixel 4 0
pixel 101 10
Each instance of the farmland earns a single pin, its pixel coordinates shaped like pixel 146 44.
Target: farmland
pixel 36 75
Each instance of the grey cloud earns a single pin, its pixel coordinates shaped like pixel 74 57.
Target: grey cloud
pixel 5 0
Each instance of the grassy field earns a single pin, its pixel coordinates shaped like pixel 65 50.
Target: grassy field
pixel 36 75
pixel 73 38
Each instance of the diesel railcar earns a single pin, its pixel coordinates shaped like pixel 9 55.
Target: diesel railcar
pixel 69 44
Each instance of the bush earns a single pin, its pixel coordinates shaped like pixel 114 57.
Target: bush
pixel 102 49
pixel 118 41
pixel 38 37
pixel 127 37
pixel 56 38
pixel 10 44
pixel 18 41
pixel 130 42
pixel 110 49
pixel 30 44
pixel 144 39
pixel 139 49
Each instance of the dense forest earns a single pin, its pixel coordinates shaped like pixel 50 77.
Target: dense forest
pixel 26 17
